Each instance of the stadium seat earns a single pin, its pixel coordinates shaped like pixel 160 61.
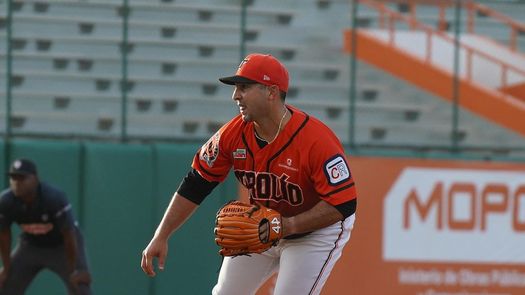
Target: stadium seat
pixel 67 75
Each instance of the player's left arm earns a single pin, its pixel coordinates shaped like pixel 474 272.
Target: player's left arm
pixel 70 248
pixel 333 181
pixel 76 276
pixel 321 215
pixel 65 221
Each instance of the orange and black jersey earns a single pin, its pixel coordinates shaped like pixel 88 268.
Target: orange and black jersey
pixel 305 163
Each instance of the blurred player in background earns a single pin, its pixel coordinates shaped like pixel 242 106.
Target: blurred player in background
pixel 290 162
pixel 50 238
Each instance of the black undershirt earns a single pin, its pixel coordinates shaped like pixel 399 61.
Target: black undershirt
pixel 195 188
pixel 261 143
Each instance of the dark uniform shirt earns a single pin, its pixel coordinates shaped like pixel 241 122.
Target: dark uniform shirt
pixel 43 220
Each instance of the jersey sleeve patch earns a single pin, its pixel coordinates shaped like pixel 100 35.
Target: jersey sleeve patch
pixel 210 150
pixel 336 170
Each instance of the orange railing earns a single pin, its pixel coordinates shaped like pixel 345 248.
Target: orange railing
pixel 388 19
pixel 515 27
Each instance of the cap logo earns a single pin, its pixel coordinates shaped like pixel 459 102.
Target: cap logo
pixel 260 68
pixel 243 62
pixel 17 164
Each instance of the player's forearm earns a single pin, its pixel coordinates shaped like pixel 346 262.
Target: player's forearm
pixel 320 216
pixel 5 248
pixel 70 247
pixel 178 211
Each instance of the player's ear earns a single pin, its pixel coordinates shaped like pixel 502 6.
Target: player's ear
pixel 274 92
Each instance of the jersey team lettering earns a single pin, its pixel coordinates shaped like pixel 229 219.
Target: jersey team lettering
pixel 336 170
pixel 263 186
pixel 36 228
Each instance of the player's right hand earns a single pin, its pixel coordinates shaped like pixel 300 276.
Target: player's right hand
pixel 78 277
pixel 156 248
pixel 3 277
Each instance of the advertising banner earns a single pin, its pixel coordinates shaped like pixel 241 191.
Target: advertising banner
pixel 433 227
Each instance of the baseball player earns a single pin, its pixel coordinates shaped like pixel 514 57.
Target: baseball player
pixel 290 162
pixel 49 235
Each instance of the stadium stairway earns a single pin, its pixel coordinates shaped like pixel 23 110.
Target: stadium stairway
pixel 492 75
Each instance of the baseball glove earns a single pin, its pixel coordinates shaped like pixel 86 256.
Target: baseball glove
pixel 243 229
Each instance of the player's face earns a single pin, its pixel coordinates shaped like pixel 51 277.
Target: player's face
pixel 252 100
pixel 23 186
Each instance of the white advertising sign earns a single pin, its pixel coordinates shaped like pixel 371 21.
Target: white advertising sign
pixel 455 215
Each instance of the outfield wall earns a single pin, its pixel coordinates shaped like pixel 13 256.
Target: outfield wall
pixel 423 226
pixel 430 227
pixel 119 193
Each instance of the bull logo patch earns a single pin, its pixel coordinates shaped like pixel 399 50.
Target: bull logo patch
pixel 210 150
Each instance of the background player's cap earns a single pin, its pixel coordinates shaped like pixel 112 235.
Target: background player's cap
pixel 260 68
pixel 22 167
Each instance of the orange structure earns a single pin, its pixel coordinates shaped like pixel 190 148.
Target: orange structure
pixel 503 104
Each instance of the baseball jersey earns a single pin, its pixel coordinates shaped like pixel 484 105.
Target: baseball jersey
pixel 302 166
pixel 41 222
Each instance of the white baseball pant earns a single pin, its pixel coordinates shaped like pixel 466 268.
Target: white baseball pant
pixel 303 264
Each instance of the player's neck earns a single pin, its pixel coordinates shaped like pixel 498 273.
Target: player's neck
pixel 268 129
pixel 29 198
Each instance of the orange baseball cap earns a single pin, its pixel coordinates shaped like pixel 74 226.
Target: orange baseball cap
pixel 260 68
